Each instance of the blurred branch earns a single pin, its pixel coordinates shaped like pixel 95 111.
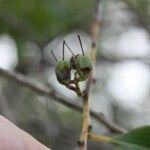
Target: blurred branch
pixel 103 58
pixel 43 89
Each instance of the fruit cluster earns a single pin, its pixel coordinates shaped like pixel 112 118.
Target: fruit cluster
pixel 81 63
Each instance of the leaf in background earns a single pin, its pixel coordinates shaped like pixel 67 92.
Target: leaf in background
pixel 136 139
pixel 39 21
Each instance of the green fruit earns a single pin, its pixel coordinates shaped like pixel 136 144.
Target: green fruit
pixel 63 72
pixel 82 64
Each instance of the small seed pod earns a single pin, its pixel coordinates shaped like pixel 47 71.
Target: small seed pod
pixel 81 63
pixel 62 70
pixel 83 66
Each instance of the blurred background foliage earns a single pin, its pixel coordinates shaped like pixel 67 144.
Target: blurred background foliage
pixel 30 29
pixel 40 21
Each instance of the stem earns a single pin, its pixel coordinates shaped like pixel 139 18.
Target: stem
pixel 86 112
pixel 54 55
pixel 85 125
pixel 78 91
pixel 99 138
pixel 68 48
pixel 85 118
pixel 81 44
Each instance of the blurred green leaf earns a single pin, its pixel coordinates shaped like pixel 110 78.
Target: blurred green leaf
pixel 42 20
pixel 136 139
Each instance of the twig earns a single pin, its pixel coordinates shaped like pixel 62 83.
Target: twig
pixel 85 125
pixel 78 90
pixel 42 89
pixel 86 110
pixel 85 118
pixel 145 60
pixel 99 138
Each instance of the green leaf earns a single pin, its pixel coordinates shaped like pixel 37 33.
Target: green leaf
pixel 136 139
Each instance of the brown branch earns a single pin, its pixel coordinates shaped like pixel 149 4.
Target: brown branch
pixel 85 116
pixel 42 89
pixel 145 60
pixel 86 110
pixel 85 125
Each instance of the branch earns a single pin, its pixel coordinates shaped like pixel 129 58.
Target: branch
pixel 85 125
pixel 145 60
pixel 86 110
pixel 43 89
